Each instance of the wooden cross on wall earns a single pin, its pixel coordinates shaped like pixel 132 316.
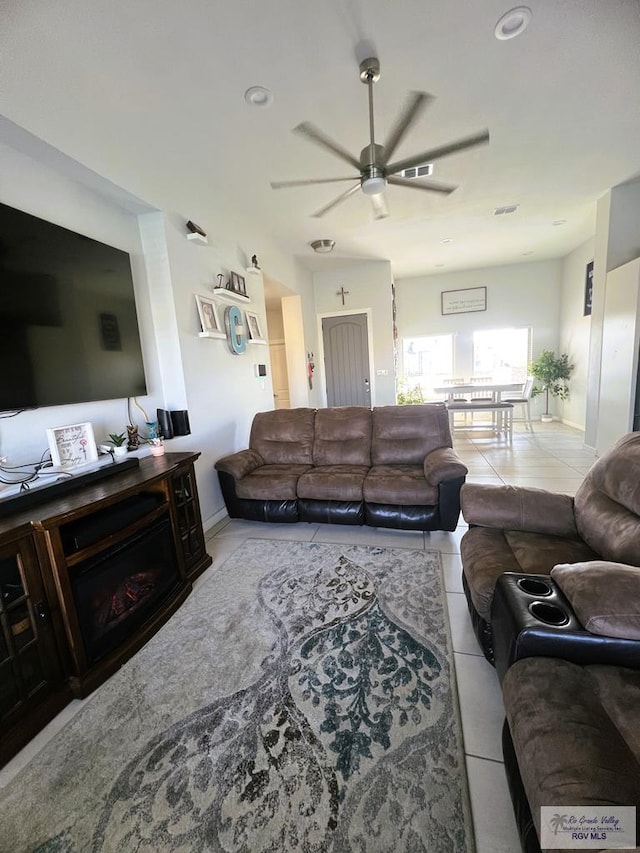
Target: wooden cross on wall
pixel 342 292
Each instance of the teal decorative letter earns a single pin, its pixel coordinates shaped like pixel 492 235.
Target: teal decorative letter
pixel 236 337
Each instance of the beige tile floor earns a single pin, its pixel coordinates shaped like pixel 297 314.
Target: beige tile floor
pixel 552 457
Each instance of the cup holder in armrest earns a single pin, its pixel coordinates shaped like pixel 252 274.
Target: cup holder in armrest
pixel 550 614
pixel 534 586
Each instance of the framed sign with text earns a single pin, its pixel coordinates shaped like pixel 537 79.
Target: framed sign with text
pixel 464 301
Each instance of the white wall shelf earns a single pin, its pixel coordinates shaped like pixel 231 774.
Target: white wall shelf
pixel 198 238
pixel 230 295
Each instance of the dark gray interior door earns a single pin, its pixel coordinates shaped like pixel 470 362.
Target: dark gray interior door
pixel 346 360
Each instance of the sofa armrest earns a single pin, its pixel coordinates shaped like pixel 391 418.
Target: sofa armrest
pixel 240 464
pixel 443 464
pixel 518 508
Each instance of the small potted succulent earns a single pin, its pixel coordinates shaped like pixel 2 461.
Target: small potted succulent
pixel 119 444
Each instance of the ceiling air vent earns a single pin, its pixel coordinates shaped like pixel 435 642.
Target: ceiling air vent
pixel 509 208
pixel 418 171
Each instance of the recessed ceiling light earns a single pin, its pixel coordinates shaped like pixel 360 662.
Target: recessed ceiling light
pixel 258 96
pixel 558 221
pixel 322 247
pixel 507 208
pixel 512 23
pixel 446 240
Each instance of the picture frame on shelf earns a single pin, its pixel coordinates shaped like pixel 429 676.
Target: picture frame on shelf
pixel 72 445
pixel 237 283
pixel 209 320
pixel 254 329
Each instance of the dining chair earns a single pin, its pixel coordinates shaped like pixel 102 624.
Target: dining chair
pixel 524 401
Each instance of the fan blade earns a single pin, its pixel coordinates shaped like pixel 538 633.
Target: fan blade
pixel 342 197
pixel 426 184
pixel 379 203
pixel 436 153
pixel 312 133
pixel 416 104
pixel 278 185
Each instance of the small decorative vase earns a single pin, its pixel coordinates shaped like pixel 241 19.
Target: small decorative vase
pixel 157 447
pixel 120 452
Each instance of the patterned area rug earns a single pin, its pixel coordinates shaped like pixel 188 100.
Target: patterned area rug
pixel 300 700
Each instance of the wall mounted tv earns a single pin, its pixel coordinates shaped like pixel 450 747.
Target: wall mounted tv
pixel 68 322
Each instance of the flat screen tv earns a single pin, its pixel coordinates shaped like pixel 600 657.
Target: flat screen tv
pixel 68 322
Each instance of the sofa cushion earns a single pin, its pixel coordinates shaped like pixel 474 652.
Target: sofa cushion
pixel 605 596
pixel 607 504
pixel 271 482
pixel 404 435
pixel 486 553
pixel 399 484
pixel 569 749
pixel 342 436
pixel 618 690
pixel 333 483
pixel 283 436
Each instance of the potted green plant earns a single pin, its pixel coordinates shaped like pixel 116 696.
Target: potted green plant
pixel 553 373
pixel 119 447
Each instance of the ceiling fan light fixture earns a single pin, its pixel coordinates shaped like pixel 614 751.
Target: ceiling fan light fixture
pixel 322 247
pixel 513 23
pixel 373 185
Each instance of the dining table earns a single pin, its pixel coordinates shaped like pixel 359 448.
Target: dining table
pixel 496 388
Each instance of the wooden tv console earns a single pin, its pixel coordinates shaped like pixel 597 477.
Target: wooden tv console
pixel 45 656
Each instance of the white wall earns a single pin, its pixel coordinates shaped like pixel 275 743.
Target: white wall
pixel 518 296
pixel 369 286
pixel 575 332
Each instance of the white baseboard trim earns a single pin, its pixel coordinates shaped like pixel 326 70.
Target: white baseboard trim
pixel 215 519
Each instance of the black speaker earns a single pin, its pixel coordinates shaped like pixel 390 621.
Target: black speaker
pixel 180 422
pixel 165 427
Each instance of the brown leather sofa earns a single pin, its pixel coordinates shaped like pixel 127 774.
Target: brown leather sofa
pixel 390 466
pixel 571 737
pixel 514 529
pixel 571 685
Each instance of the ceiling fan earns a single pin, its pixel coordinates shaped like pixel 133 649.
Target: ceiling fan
pixel 374 168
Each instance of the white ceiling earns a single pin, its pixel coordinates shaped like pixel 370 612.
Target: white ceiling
pixel 149 94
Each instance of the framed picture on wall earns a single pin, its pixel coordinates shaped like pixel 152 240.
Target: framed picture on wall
pixel 463 301
pixel 588 289
pixel 208 314
pixel 254 330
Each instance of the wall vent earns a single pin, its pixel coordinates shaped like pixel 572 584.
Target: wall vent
pixel 418 171
pixel 509 208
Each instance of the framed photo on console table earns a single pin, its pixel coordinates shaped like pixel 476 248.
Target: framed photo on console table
pixel 72 445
